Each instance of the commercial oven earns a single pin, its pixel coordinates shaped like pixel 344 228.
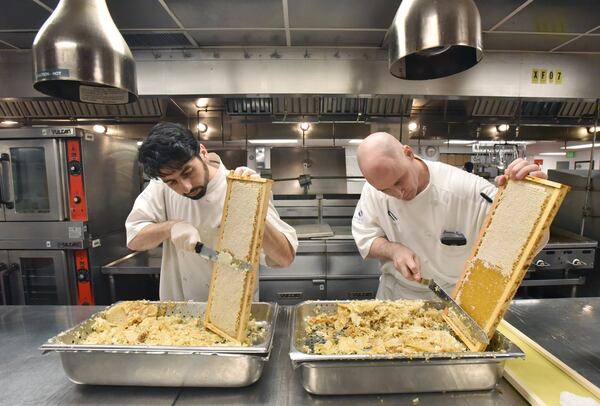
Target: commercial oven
pixel 64 196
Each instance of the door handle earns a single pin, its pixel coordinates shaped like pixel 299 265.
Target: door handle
pixel 6 185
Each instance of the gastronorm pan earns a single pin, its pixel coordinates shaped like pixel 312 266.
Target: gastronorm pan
pixel 370 374
pixel 148 365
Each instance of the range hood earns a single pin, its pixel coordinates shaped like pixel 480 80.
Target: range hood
pixel 431 39
pixel 80 55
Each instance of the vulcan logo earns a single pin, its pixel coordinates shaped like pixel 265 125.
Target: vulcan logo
pixel 61 131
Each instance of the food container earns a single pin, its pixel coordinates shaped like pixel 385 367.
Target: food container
pixel 372 374
pixel 145 365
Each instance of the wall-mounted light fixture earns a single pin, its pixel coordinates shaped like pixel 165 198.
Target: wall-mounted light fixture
pixel 100 129
pixel 502 127
pixel 412 126
pixel 592 130
pixel 304 126
pixel 202 127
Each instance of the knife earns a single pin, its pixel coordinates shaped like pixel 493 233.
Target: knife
pixel 462 317
pixel 213 256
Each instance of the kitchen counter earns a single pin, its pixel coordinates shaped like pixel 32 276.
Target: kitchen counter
pixel 566 327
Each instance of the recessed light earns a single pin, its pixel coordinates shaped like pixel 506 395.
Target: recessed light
pixel 140 143
pixel 202 103
pixel 581 146
pixel 9 122
pixel 460 142
pixel 100 129
pixel 274 141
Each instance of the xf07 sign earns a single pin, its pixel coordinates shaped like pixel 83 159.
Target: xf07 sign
pixel 542 76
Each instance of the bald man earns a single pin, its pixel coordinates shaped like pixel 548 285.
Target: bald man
pixel 407 204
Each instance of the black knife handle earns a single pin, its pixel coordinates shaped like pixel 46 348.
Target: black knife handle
pixel 198 247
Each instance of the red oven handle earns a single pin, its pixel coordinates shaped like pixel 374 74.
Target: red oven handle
pixel 84 278
pixel 77 200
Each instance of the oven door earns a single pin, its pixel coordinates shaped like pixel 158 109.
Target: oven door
pixel 43 277
pixel 31 181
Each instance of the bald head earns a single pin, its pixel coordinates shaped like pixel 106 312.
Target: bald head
pixel 376 152
pixel 390 167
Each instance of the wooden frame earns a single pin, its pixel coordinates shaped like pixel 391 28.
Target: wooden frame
pixel 556 193
pixel 252 257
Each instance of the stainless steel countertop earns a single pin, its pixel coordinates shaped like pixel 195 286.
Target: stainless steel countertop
pixel 563 326
pixel 568 328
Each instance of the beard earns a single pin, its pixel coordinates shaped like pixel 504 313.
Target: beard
pixel 199 192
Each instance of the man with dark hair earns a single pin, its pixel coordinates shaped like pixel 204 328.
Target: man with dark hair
pixel 183 205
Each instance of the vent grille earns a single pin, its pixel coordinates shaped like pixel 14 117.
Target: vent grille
pixel 51 108
pixel 253 106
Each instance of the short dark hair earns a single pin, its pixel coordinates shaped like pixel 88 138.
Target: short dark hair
pixel 168 146
pixel 469 166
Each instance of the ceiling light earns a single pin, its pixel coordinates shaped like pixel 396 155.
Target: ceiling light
pixel 99 128
pixel 592 130
pixel 581 146
pixel 412 126
pixel 553 153
pixel 9 122
pixel 431 39
pixel 202 127
pixel 140 143
pixel 202 102
pixel 274 141
pixel 355 141
pixel 304 126
pixel 502 127
pixel 88 61
pixel 460 142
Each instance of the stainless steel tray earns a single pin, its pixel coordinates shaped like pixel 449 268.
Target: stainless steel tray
pixel 144 365
pixel 370 374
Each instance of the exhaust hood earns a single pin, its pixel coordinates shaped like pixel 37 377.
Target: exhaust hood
pixel 431 39
pixel 80 55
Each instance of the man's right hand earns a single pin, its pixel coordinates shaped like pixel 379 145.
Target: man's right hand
pixel 184 236
pixel 406 262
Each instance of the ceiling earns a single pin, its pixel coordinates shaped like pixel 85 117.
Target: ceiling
pixel 557 26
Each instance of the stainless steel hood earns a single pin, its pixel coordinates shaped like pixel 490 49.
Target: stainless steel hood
pixel 80 55
pixel 431 39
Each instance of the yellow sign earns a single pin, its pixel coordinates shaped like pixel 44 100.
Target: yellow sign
pixel 559 77
pixel 544 76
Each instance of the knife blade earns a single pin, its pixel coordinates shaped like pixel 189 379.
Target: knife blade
pixel 461 316
pixel 213 256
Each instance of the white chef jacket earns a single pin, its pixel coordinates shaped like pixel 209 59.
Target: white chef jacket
pixel 185 275
pixel 450 202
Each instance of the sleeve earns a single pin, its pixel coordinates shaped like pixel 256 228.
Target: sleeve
pixel 366 226
pixel 148 208
pixel 288 231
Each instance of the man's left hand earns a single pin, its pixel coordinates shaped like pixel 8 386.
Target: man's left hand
pixel 518 169
pixel 245 171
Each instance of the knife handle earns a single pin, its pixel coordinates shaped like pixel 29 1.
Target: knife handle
pixel 198 247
